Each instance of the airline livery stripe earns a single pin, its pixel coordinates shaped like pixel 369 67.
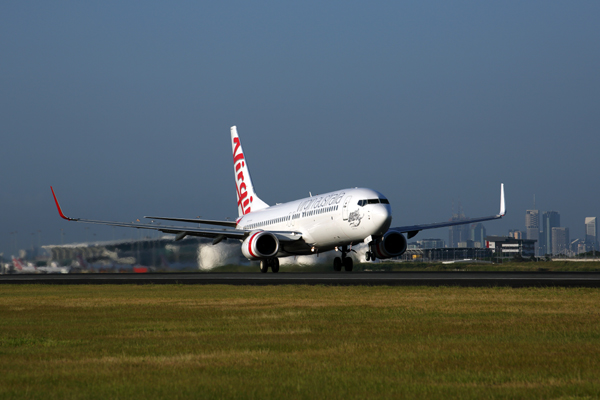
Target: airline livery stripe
pixel 250 245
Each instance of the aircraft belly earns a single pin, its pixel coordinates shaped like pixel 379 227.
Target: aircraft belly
pixel 324 233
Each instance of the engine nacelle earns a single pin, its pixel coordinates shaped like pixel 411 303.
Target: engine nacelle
pixel 260 245
pixel 392 244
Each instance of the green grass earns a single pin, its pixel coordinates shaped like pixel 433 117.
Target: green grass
pixel 177 341
pixel 552 266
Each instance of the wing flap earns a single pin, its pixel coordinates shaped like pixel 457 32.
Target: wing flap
pixel 231 224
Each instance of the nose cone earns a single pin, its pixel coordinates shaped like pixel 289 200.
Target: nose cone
pixel 381 215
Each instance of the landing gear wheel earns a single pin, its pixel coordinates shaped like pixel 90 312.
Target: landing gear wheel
pixel 348 264
pixel 275 264
pixel 370 256
pixel 264 266
pixel 337 264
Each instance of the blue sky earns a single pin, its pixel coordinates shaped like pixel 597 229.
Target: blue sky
pixel 125 108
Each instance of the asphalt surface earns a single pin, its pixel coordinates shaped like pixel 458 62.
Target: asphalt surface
pixel 453 278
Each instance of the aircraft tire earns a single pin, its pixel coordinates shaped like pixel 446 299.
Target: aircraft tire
pixel 337 264
pixel 348 264
pixel 275 265
pixel 264 266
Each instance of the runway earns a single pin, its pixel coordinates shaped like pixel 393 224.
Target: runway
pixel 453 278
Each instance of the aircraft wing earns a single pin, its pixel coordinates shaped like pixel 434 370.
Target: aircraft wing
pixel 183 231
pixel 231 224
pixel 412 230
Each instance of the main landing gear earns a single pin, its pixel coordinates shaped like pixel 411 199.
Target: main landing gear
pixel 345 261
pixel 267 263
pixel 370 256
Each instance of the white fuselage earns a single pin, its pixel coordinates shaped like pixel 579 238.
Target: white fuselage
pixel 326 221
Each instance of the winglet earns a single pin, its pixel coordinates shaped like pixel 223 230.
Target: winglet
pixel 59 209
pixel 502 203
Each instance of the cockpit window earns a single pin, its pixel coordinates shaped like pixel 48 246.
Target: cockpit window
pixel 372 201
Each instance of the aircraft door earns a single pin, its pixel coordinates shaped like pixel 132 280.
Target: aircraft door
pixel 345 208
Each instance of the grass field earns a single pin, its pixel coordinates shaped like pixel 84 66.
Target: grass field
pixel 552 266
pixel 172 341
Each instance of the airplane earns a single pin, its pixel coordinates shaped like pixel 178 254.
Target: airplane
pixel 331 221
pixel 22 268
pixel 54 268
pixel 29 268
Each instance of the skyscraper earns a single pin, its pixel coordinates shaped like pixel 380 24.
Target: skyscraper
pixel 532 224
pixel 478 234
pixel 550 219
pixel 591 232
pixel 458 233
pixel 560 241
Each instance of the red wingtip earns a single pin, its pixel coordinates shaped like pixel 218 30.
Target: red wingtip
pixel 58 206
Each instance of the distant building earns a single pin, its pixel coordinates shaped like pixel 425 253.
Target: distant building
pixel 458 233
pixel 430 244
pixel 478 234
pixel 532 225
pixel 560 241
pixel 591 233
pixel 516 234
pixel 509 247
pixel 159 253
pixel 446 254
pixel 582 247
pixel 550 219
pixel 412 246
pixel 576 246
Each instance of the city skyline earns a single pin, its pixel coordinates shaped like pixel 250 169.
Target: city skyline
pixel 553 239
pixel 468 233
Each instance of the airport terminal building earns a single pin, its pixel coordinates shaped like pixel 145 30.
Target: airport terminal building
pixel 506 246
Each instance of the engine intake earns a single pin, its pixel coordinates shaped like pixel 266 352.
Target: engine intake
pixel 260 245
pixel 392 244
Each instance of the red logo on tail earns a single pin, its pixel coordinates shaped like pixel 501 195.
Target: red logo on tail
pixel 240 185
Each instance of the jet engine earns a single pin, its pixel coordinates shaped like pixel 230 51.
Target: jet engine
pixel 392 244
pixel 260 245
